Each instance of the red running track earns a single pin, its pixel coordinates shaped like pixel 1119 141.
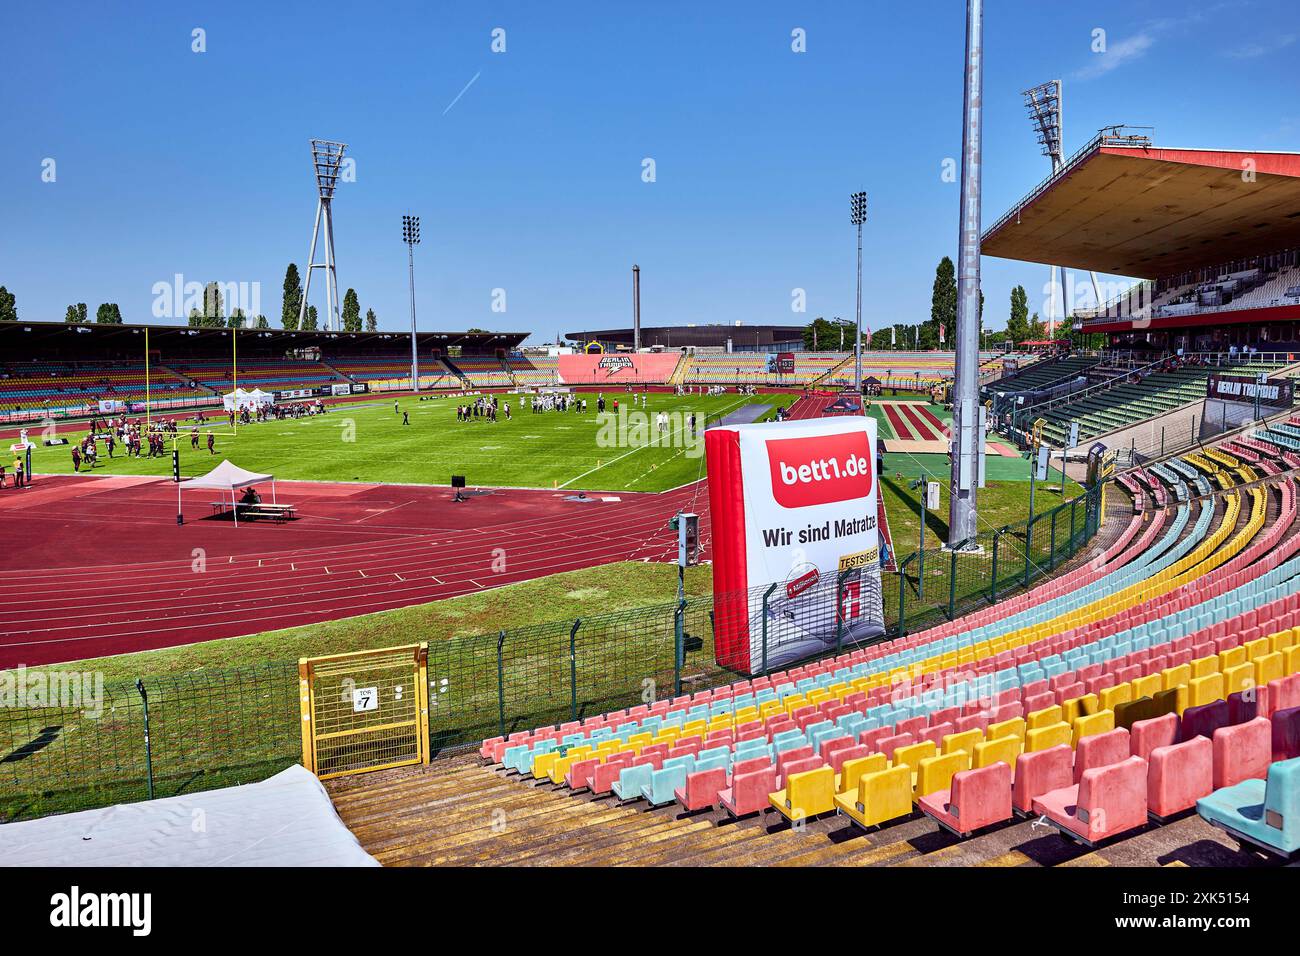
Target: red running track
pixel 97 566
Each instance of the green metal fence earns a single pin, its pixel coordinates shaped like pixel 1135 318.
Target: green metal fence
pixel 161 736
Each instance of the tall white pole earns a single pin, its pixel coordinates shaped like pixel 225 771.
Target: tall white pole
pixel 962 516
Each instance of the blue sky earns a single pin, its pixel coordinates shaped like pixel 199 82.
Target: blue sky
pixel 169 161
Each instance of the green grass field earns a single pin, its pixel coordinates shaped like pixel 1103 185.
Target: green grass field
pixel 367 441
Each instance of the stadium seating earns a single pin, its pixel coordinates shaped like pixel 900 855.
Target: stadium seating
pixel 269 374
pixel 1129 687
pixel 59 385
pixel 1130 401
pixel 433 374
pixel 484 371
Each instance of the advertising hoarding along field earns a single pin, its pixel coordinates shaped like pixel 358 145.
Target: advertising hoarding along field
pixel 793 504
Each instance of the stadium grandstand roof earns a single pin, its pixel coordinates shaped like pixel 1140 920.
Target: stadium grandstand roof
pixel 16 337
pixel 677 336
pixel 1125 207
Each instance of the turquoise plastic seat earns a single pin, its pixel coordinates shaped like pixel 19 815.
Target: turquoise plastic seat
pixel 631 781
pixel 1265 814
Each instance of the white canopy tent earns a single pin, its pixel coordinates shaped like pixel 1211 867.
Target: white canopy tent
pixel 225 477
pixel 242 398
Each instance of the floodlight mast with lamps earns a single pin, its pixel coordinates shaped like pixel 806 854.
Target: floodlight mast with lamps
pixel 1044 103
pixel 411 236
pixel 326 158
pixel 858 215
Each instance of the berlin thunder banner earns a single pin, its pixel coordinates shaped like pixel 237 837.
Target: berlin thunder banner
pixel 793 504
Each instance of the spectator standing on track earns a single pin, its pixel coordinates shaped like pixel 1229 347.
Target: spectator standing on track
pixel 18 471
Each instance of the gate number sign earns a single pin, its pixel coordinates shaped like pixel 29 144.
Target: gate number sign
pixel 365 698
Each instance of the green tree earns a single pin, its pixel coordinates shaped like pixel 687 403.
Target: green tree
pixel 943 307
pixel 196 317
pixel 214 310
pixel 1037 330
pixel 1018 322
pixel 824 335
pixel 292 297
pixel 108 314
pixel 309 321
pixel 8 306
pixel 262 323
pixel 72 316
pixel 351 314
pixel 372 323
pixel 237 318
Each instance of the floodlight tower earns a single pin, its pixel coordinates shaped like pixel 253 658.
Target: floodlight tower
pixel 411 236
pixel 962 517
pixel 326 158
pixel 1044 105
pixel 857 216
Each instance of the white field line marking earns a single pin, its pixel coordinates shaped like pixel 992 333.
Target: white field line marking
pixel 642 448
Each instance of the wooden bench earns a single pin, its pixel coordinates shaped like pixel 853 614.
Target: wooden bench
pixel 275 512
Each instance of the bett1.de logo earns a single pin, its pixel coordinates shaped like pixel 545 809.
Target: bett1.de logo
pixel 820 470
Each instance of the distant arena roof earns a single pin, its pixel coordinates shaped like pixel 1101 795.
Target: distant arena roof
pixel 1136 210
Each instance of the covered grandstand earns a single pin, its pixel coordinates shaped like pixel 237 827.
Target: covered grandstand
pixel 53 368
pixel 1214 237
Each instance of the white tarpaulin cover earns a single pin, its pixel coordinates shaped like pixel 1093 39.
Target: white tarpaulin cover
pixel 226 477
pixel 287 820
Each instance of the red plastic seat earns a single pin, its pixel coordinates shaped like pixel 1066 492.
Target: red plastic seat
pixel 1108 801
pixel 1040 772
pixel 1101 750
pixel 748 792
pixel 1242 752
pixel 1146 735
pixel 604 775
pixel 977 799
pixel 702 788
pixel 1178 775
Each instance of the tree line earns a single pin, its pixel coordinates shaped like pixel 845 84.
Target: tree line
pixel 349 313
pixel 939 331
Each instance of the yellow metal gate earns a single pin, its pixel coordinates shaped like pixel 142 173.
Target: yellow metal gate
pixel 367 710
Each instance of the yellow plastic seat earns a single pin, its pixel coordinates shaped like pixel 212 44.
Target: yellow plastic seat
pixel 1231 658
pixel 1089 724
pixel 1005 749
pixel 854 770
pixel 1147 686
pixel 1204 690
pixel 966 740
pixel 1044 718
pixel 1015 727
pixel 1204 666
pixel 935 773
pixel 1239 677
pixel 1268 667
pixel 1044 737
pixel 1109 697
pixel 1077 707
pixel 807 794
pixel 543 763
pixel 881 796
pixel 913 754
pixel 1257 648
pixel 1176 676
